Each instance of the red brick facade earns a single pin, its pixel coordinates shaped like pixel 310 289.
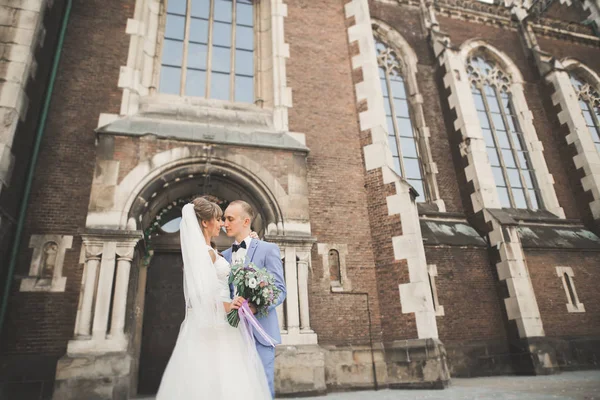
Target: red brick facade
pixel 347 204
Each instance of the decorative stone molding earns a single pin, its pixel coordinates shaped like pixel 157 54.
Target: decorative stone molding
pixel 22 33
pixel 139 77
pixel 45 270
pixel 566 275
pixel 594 8
pixel 439 309
pixel 339 253
pixel 473 147
pixel 499 15
pixel 409 61
pixel 521 305
pixel 415 296
pixel 107 257
pixel 586 156
pixel 112 210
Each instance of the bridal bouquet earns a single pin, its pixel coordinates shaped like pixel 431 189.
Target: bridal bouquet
pixel 254 284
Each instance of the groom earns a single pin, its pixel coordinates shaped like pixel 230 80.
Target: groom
pixel 238 218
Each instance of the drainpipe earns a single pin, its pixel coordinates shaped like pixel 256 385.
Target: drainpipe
pixel 34 158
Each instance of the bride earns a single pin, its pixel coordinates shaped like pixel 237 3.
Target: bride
pixel 211 359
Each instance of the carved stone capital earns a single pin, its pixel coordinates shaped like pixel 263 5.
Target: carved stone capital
pixel 126 250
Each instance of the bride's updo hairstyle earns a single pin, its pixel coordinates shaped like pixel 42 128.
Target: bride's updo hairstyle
pixel 206 210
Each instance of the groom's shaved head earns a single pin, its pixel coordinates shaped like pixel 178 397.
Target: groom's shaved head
pixel 245 207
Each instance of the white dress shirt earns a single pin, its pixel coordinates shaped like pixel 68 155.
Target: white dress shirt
pixel 239 255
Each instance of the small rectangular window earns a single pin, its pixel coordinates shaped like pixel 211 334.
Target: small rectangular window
pixel 566 275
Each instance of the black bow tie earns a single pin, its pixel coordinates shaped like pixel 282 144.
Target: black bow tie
pixel 236 247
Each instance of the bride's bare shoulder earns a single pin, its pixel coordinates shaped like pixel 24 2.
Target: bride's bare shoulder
pixel 213 254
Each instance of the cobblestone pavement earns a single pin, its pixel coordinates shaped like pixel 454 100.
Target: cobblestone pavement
pixel 581 385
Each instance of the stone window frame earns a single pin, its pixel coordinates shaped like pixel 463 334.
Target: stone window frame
pixel 592 80
pixel 433 273
pixel 499 84
pixel 186 42
pixel 407 56
pixel 138 79
pixel 534 146
pixel 566 275
pixel 323 250
pixel 33 282
pixel 586 157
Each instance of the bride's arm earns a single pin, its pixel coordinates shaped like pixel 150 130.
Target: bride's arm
pixel 226 306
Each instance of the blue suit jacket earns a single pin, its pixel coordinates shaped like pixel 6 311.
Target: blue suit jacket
pixel 267 255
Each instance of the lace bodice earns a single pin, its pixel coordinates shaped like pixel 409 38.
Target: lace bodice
pixel 223 269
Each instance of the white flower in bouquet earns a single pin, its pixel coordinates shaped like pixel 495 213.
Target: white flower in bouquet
pixel 252 283
pixel 256 285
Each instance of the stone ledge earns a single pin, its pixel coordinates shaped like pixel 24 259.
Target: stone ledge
pixel 97 377
pixel 300 370
pixel 416 364
pixel 204 132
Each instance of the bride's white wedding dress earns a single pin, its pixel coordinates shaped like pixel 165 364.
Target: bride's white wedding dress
pixel 211 359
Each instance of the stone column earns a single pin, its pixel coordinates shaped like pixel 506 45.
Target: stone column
pixel 97 294
pixel 93 252
pixel 281 318
pixel 125 253
pixel 294 314
pixel 103 295
pixel 303 291
pixel 291 281
pixel 97 363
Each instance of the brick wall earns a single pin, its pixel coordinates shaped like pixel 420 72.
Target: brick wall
pixel 467 288
pixel 551 297
pixel 320 76
pixel 95 48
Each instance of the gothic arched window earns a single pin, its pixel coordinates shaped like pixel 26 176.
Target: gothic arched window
pixel 511 166
pixel 401 134
pixel 208 49
pixel 589 103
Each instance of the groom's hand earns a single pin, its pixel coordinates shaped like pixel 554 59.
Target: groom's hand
pixel 252 308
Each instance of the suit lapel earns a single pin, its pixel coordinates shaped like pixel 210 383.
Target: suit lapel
pixel 251 251
pixel 227 254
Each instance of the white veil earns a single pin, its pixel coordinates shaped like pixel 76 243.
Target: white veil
pixel 208 350
pixel 201 285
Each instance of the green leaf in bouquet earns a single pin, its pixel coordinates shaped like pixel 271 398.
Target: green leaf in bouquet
pixel 233 318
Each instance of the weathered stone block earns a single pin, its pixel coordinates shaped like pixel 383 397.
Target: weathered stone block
pixel 300 370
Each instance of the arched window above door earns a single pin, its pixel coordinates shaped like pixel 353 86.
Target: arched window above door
pixel 208 49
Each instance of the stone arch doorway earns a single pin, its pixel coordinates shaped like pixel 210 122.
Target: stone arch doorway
pixel 110 317
pixel 161 304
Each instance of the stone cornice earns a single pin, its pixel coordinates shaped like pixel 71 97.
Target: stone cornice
pixel 565 30
pixel 500 16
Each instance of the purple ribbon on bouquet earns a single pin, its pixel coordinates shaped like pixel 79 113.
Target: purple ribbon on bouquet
pixel 250 321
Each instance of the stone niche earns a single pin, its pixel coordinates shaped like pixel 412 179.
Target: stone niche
pixel 45 270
